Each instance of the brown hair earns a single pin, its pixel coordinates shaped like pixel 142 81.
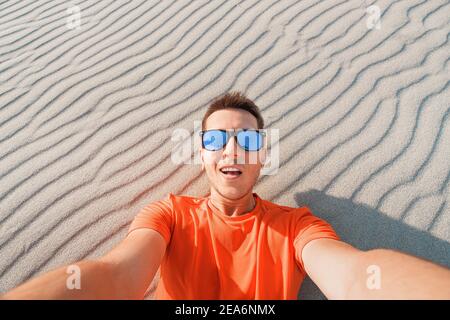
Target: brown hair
pixel 234 100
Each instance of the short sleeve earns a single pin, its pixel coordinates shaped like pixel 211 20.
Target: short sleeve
pixel 158 216
pixel 309 227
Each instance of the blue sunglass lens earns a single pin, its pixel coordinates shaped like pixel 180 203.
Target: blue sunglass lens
pixel 250 140
pixel 214 140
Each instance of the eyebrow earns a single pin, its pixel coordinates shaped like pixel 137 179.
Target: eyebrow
pixel 232 129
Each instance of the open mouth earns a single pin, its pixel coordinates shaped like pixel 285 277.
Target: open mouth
pixel 231 172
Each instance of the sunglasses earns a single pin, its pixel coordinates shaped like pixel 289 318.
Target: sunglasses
pixel 247 139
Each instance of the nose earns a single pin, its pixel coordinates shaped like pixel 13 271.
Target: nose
pixel 231 149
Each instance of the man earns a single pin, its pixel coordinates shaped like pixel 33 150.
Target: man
pixel 235 245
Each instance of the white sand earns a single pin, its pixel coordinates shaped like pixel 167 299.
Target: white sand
pixel 86 117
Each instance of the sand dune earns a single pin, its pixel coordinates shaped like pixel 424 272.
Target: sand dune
pixel 88 107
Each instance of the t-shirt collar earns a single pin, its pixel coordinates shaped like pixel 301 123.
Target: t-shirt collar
pixel 243 216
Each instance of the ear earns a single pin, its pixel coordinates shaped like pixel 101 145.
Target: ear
pixel 263 156
pixel 201 158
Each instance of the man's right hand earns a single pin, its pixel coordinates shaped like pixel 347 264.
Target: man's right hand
pixel 123 273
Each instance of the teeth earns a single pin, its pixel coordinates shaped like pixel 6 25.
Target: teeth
pixel 229 169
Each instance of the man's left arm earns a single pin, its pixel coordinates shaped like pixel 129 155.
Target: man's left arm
pixel 344 272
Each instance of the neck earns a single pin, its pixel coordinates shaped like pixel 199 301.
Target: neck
pixel 232 207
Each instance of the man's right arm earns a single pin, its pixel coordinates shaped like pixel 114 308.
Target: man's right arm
pixel 123 273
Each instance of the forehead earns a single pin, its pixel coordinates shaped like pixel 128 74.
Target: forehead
pixel 231 119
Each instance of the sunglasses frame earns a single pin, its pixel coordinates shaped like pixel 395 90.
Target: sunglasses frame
pixel 233 133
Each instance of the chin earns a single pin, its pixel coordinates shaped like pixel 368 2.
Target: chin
pixel 233 192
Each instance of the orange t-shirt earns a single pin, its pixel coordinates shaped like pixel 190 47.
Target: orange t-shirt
pixel 210 255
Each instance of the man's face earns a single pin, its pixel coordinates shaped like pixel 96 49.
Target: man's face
pixel 248 162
